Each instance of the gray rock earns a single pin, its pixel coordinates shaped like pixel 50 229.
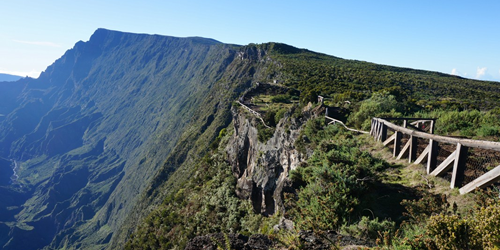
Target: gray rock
pixel 262 169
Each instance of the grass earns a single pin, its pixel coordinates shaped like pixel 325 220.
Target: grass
pixel 413 175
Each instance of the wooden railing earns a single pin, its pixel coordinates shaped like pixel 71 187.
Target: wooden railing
pixel 471 163
pixel 254 113
pixel 333 121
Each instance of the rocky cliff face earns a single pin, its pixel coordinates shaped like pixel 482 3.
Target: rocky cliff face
pixel 262 167
pixel 93 130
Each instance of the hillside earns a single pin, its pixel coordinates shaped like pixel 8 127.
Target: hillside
pixel 91 132
pixel 9 78
pixel 128 136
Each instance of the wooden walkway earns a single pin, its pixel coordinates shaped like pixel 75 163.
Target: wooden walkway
pixel 472 164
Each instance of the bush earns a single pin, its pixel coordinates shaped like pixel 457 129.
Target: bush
pixel 309 96
pixel 333 181
pixel 450 232
pixel 269 118
pixel 487 227
pixel 480 229
pixel 263 133
pixel 488 130
pixel 376 105
pixel 281 99
pixel 279 115
pixel 419 210
pixel 326 205
pixel 371 229
pixel 465 123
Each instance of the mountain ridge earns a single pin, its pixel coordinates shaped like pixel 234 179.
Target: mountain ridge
pixel 66 97
pixel 118 123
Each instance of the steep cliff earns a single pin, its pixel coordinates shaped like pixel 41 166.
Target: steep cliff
pixel 90 134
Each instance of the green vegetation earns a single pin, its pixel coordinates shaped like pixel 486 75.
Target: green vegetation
pixel 435 224
pixel 335 189
pixel 281 98
pixel 470 123
pixel 335 183
pixel 341 184
pixel 350 80
pixel 378 105
pixel 97 146
pixel 205 204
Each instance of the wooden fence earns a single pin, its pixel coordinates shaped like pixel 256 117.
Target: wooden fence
pixel 254 113
pixel 468 164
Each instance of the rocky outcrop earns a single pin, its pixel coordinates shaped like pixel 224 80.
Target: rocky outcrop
pixel 262 168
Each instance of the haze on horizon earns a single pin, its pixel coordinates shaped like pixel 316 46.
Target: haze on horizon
pixel 453 37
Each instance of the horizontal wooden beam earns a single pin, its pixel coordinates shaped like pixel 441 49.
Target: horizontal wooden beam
pixel 408 119
pixel 341 123
pixel 443 139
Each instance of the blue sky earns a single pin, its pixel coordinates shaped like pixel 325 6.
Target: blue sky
pixel 459 37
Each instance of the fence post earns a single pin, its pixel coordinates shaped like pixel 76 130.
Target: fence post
pixel 412 155
pixel 431 129
pixel 432 156
pixel 459 166
pixel 372 127
pixel 383 135
pixel 378 132
pixel 397 144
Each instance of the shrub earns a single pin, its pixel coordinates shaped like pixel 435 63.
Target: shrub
pixel 367 228
pixel 279 115
pixel 487 227
pixel 376 105
pixel 263 133
pixel 479 229
pixel 419 210
pixel 334 179
pixel 281 99
pixel 269 118
pixel 465 123
pixel 488 130
pixel 309 96
pixel 450 232
pixel 325 205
